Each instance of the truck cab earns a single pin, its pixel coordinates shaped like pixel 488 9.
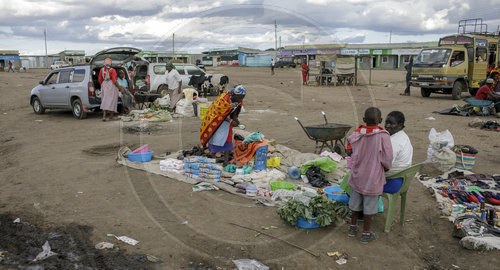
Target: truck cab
pixel 459 63
pixel 441 70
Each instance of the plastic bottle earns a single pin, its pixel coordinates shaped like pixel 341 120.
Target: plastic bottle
pixel 294 172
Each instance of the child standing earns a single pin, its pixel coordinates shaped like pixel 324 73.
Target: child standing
pixel 371 156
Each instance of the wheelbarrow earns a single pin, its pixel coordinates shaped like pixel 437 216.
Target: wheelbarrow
pixel 326 135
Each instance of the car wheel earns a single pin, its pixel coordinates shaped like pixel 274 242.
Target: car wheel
pixel 473 91
pixel 37 106
pixel 426 92
pixel 456 93
pixel 78 111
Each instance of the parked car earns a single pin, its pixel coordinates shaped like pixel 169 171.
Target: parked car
pixel 59 64
pixel 285 62
pixel 77 88
pixel 151 77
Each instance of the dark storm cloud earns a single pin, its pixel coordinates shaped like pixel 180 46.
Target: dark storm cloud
pixel 149 24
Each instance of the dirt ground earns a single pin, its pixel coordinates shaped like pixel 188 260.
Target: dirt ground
pixel 56 171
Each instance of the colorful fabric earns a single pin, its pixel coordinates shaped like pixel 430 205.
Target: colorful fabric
pixel 238 90
pixel 244 152
pixel 217 113
pixel 371 153
pixel 364 130
pixel 305 71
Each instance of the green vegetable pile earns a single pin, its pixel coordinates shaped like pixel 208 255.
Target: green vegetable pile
pixel 320 207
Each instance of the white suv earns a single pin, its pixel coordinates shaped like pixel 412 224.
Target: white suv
pixel 150 77
pixel 77 88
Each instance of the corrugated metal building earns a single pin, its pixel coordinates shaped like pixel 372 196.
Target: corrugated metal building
pixel 38 61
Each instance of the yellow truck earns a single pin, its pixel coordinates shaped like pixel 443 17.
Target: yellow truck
pixel 459 63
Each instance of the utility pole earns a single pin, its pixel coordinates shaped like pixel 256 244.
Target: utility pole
pixel 280 43
pixel 275 39
pixel 46 55
pixel 390 37
pixel 173 47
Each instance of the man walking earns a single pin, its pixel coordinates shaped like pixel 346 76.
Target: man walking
pixel 408 68
pixel 10 67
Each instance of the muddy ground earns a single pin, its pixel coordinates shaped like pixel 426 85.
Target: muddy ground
pixel 57 172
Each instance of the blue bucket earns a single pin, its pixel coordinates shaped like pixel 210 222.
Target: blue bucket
pixel 337 194
pixel 393 185
pixel 141 157
pixel 303 223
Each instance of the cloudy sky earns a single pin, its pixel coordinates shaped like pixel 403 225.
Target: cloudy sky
pixel 200 25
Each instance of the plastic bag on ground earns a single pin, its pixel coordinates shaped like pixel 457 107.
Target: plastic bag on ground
pixel 438 140
pixel 249 264
pixel 46 252
pixel 163 101
pixel 185 108
pixel 445 157
pixel 254 137
pixel 325 163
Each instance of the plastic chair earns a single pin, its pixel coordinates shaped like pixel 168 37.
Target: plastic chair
pixel 407 175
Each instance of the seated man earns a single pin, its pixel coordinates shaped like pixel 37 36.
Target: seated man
pixel 486 93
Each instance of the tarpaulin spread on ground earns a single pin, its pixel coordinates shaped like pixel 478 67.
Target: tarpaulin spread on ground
pixel 288 157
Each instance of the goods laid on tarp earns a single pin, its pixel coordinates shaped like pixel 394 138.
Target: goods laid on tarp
pixel 471 201
pixel 156 113
pixel 250 179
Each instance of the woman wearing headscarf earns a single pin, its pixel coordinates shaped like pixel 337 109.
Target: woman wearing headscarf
pixel 216 131
pixel 109 89
pixel 174 83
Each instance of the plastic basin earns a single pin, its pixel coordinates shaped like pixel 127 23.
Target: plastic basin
pixel 303 223
pixel 141 157
pixel 336 193
pixel 141 150
pixel 393 185
pixel 275 185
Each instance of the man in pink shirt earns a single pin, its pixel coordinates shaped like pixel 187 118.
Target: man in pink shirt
pixel 371 156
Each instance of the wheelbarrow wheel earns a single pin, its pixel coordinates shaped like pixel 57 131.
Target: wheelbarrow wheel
pixel 339 150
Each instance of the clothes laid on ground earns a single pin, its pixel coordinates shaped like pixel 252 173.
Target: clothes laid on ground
pixel 465 110
pixel 491 125
pixel 244 152
pixel 316 177
pixel 460 194
pixel 402 152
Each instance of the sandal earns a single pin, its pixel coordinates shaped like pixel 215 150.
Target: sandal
pixel 104 119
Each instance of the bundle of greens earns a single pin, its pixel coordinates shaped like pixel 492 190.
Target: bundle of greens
pixel 320 207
